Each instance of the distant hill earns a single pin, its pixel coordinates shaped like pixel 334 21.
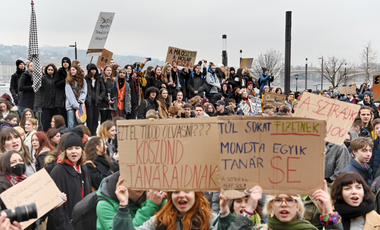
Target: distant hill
pixel 54 54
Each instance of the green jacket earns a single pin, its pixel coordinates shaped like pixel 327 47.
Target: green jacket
pixel 106 212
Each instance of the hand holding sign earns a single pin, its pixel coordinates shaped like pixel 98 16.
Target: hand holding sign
pixel 256 194
pixel 324 199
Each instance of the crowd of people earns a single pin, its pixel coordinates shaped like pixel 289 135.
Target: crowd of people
pixel 41 130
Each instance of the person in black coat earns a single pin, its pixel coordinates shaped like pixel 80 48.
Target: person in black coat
pixel 95 94
pixel 107 104
pixel 20 65
pixel 196 83
pixel 157 79
pixel 72 178
pixel 180 78
pixel 99 163
pixel 133 82
pixel 59 87
pixel 48 97
pixel 150 102
pixel 26 89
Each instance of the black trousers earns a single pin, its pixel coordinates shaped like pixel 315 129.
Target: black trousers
pixel 105 115
pixel 92 117
pixel 47 114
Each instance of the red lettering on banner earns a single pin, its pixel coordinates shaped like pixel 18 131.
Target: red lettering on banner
pixel 283 174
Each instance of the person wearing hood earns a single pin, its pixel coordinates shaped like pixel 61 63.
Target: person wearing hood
pixel 59 86
pixel 26 89
pixel 48 96
pixel 95 94
pixel 20 68
pixel 265 79
pixel 142 204
pixel 197 83
pixel 122 93
pixel 150 102
pixel 212 80
pixel 72 178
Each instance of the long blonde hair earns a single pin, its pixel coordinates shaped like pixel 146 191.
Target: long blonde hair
pixel 103 130
pixel 164 72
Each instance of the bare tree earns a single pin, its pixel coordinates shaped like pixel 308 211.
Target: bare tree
pixel 271 59
pixel 368 58
pixel 337 71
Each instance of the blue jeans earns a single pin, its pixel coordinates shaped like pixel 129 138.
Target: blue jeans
pixel 71 119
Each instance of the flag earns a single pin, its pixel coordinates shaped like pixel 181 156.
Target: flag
pixel 33 55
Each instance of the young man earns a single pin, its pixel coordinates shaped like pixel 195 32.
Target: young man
pixel 197 82
pixel 20 66
pixel 268 110
pixel 187 113
pixel 237 109
pixel 362 149
pixel 199 111
pixel 221 109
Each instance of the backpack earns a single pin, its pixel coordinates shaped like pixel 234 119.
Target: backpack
pixel 84 212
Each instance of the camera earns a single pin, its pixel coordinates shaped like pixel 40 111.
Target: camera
pixel 22 213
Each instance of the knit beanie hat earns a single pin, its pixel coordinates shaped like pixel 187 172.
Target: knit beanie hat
pixel 73 139
pixel 232 69
pixel 66 59
pixel 79 131
pixel 264 69
pixel 360 96
pixel 18 62
pixel 367 93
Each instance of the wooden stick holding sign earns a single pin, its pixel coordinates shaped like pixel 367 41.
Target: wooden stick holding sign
pixel 180 57
pixel 282 155
pixel 376 90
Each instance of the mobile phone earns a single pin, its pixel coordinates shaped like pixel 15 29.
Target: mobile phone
pixel 149 59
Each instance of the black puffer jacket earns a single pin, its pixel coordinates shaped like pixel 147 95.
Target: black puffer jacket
pixel 26 90
pixel 13 88
pixel 59 87
pixel 145 106
pixel 96 93
pixel 48 92
pixel 104 104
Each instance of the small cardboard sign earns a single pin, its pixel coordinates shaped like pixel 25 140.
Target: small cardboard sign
pixel 281 154
pixel 180 57
pixel 256 104
pixel 274 99
pixel 246 63
pixel 179 154
pixel 339 115
pixel 104 59
pixel 100 34
pixel 376 90
pixel 38 188
pixel 347 90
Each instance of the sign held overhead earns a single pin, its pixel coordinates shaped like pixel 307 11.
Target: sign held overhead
pixel 101 31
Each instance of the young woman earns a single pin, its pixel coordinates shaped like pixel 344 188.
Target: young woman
pixel 107 104
pixel 41 147
pixel 26 89
pixel 59 86
pixel 210 109
pixel 149 103
pixel 53 136
pixel 76 92
pixel 367 100
pixel 238 206
pixel 107 132
pixel 21 132
pixel 179 100
pixel 226 91
pixel 6 108
pixel 30 129
pixel 52 157
pixel 72 178
pixel 28 113
pixel 250 90
pixel 354 201
pixel 122 94
pixel 48 96
pixel 164 103
pixel 168 79
pixel 158 80
pixel 9 121
pixel 245 103
pixel 115 71
pixel 97 161
pixel 239 80
pixel 366 114
pixel 195 101
pixel 95 95
pixel 10 139
pixel 279 90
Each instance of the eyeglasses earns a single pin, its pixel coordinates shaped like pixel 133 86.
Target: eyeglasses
pixel 290 202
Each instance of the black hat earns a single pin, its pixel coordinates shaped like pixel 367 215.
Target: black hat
pixel 73 139
pixel 232 68
pixel 18 62
pixel 220 102
pixel 79 131
pixel 264 69
pixel 66 59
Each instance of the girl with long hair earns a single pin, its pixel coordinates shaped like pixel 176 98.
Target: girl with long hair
pixel 245 103
pixel 366 114
pixel 210 109
pixel 168 79
pixel 164 103
pixel 28 113
pixel 107 131
pixel 107 104
pixel 40 147
pixel 158 80
pixel 53 136
pixel 48 96
pixel 122 94
pixel 30 129
pixel 76 92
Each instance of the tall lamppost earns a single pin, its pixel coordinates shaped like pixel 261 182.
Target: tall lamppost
pixel 306 75
pixel 76 55
pixel 296 82
pixel 322 74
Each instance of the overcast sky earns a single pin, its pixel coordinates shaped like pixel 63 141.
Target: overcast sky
pixel 148 27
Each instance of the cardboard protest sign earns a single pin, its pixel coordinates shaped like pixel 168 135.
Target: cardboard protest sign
pixel 246 63
pixel 104 59
pixel 281 154
pixel 376 90
pixel 274 99
pixel 38 188
pixel 100 34
pixel 179 154
pixel 347 90
pixel 256 104
pixel 180 57
pixel 338 114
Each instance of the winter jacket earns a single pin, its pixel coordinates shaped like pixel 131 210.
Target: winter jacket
pixel 26 98
pixel 374 162
pixel 163 110
pixel 365 172
pixel 13 88
pixel 145 106
pixel 123 220
pixel 213 81
pixel 157 83
pixel 372 221
pixel 69 181
pixel 40 160
pixel 4 183
pixel 196 82
pixel 225 113
pixel 71 100
pixel 48 92
pixel 180 79
pixel 13 110
pixel 59 86
pixel 133 83
pixel 265 80
pixel 337 158
pixel 104 104
pixel 106 211
pixel 96 93
pixel 127 96
pixel 98 172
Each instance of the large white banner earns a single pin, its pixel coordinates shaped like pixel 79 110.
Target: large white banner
pixel 99 37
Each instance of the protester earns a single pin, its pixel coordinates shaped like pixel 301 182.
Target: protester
pixel 15 78
pixel 53 136
pixel 168 79
pixel 200 112
pixel 367 100
pixel 150 102
pixel 238 207
pixel 179 103
pixel 265 80
pixel 107 104
pixel 30 129
pixel 75 92
pixel 187 111
pixel 197 83
pixel 48 96
pixel 9 121
pixel 6 108
pixel 28 113
pixel 59 86
pixel 269 110
pixel 122 94
pixel 337 158
pixel 180 77
pixel 12 170
pixel 250 90
pixel 173 112
pixel 290 99
pixel 366 114
pixel 26 89
pixel 212 80
pixel 40 148
pixel 20 131
pixel 245 103
pixel 220 109
pixel 157 79
pixel 210 109
pixel 95 94
pixel 52 157
pixel 163 103
pixel 107 131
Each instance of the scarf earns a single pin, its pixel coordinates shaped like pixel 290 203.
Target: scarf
pixel 76 88
pixel 102 159
pixel 15 179
pixel 76 167
pixel 348 212
pixel 120 101
pixel 274 224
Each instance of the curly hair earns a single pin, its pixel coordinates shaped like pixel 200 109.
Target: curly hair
pixel 79 77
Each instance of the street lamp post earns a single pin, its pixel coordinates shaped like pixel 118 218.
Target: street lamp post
pixel 322 74
pixel 296 82
pixel 76 54
pixel 306 75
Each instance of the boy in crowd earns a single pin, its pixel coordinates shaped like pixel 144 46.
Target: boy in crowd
pixel 237 109
pixel 187 113
pixel 199 111
pixel 362 149
pixel 268 110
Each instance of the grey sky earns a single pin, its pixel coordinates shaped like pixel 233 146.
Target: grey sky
pixel 148 27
